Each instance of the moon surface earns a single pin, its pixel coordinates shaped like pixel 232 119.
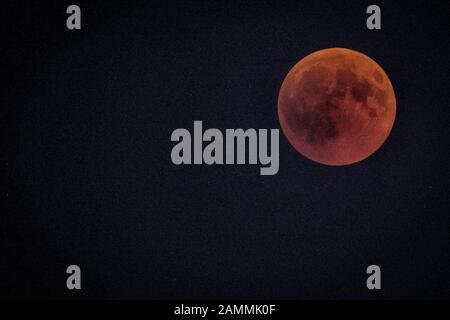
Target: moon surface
pixel 336 106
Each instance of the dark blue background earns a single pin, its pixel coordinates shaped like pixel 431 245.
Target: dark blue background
pixel 86 123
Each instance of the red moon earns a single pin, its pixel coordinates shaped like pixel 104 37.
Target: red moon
pixel 336 106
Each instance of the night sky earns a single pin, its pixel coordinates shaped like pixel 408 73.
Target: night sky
pixel 88 179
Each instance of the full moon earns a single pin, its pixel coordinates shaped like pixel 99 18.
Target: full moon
pixel 336 106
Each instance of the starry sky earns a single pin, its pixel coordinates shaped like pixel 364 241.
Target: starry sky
pixel 86 122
